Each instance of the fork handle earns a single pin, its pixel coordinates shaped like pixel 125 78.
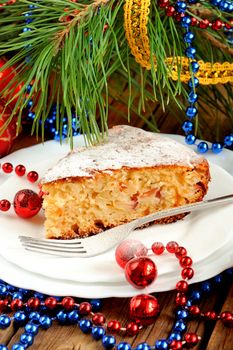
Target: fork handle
pixel 211 203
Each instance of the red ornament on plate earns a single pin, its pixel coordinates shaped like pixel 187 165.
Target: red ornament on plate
pixel 144 309
pixel 128 250
pixel 27 203
pixel 140 272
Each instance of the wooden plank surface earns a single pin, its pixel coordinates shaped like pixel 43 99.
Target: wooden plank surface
pixel 215 336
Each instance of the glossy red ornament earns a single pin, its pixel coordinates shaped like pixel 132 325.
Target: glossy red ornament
pixel 113 326
pixel 204 23
pixel 3 305
pixel 144 309
pixel 158 248
pixel 180 251
pixel 4 205
pixel 163 3
pixel 170 11
pixel 16 304
pixel 194 21
pixel 229 25
pixel 182 286
pixel 185 261
pixel 27 203
pixel 33 303
pixel 211 315
pixel 32 176
pixel 7 168
pixel 68 303
pixel 98 319
pixel 176 345
pixel 140 272
pixel 20 170
pixel 128 250
pixel 187 273
pixel 227 318
pixel 191 338
pixel 85 308
pixel 132 329
pixel 217 25
pixel 194 310
pixel 51 303
pixel 172 246
pixel 181 300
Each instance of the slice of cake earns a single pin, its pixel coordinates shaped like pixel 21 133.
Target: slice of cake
pixel 134 174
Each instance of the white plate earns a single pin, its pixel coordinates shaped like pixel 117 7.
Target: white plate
pixel 79 276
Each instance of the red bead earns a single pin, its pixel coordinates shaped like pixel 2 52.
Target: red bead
pixel 194 21
pixel 178 16
pixel 85 308
pixel 16 304
pixel 158 248
pixel 204 23
pixel 191 338
pixel 33 303
pixel 7 168
pixel 182 286
pixel 128 250
pixel 20 170
pixel 170 11
pixel 140 272
pixel 98 319
pixel 180 251
pixel 187 272
pixel 176 345
pixel 132 329
pixel 211 315
pixel 181 300
pixel 229 25
pixel 3 305
pixel 217 25
pixel 194 310
pixel 5 205
pixel 227 318
pixel 114 326
pixel 144 309
pixel 68 303
pixel 172 247
pixel 185 261
pixel 50 303
pixel 27 203
pixel 163 3
pixel 32 176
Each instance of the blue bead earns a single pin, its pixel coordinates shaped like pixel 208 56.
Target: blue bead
pixel 181 6
pixel 188 303
pixel 218 279
pixel 182 314
pixel 191 112
pixel 39 296
pixel 34 316
pixel 229 272
pixel 190 52
pixel 20 318
pixel 195 66
pixel 85 325
pixel 187 126
pixel 30 103
pixel 143 346
pixel 26 339
pixel 188 37
pixel 185 21
pixel 202 147
pixel 73 316
pixel 45 322
pixel 161 344
pixel 193 1
pixel 62 317
pixel 108 342
pixel 123 346
pixel 10 288
pixel 31 115
pixel 206 287
pixel 18 346
pixel 98 332
pixel 193 82
pixel 193 97
pixel 228 140
pixel 223 6
pixel 3 347
pixel 3 290
pixel 180 326
pixel 190 139
pixel 195 295
pixel 230 7
pixel 216 147
pixel 31 328
pixel 174 336
pixel 5 321
pixel 215 2
pixel 26 29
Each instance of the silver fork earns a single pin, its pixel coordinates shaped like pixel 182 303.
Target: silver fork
pixel 102 242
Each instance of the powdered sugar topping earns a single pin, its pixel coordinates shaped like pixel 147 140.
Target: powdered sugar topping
pixel 126 147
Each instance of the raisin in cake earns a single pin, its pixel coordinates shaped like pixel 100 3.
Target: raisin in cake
pixel 134 174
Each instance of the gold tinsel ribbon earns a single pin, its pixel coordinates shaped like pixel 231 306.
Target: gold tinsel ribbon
pixel 136 14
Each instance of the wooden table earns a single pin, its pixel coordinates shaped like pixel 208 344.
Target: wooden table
pixel 215 336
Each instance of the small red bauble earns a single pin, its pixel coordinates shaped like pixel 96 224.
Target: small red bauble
pixel 176 345
pixel 132 329
pixel 3 305
pixel 194 21
pixel 50 303
pixel 180 251
pixel 227 318
pixel 181 300
pixel 67 303
pixel 217 25
pixel 144 309
pixel 20 170
pixel 85 308
pixel 194 310
pixel 16 304
pixel 187 272
pixel 98 319
pixel 163 3
pixel 158 248
pixel 32 176
pixel 140 272
pixel 211 315
pixel 27 203
pixel 191 338
pixel 7 168
pixel 172 247
pixel 170 11
pixel 128 250
pixel 113 326
pixel 182 286
pixel 33 303
pixel 204 23
pixel 185 261
pixel 4 205
pixel 229 25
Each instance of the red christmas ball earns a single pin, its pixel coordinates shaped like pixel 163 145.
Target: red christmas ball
pixel 172 246
pixel 20 170
pixel 140 272
pixel 182 286
pixel 191 338
pixel 211 315
pixel 4 205
pixel 27 203
pixel 227 318
pixel 32 176
pixel 16 304
pixel 50 303
pixel 194 310
pixel 98 319
pixel 3 305
pixel 185 261
pixel 67 303
pixel 7 168
pixel 128 250
pixel 132 329
pixel 33 303
pixel 176 345
pixel 217 25
pixel 181 300
pixel 85 308
pixel 187 272
pixel 170 11
pixel 180 251
pixel 144 309
pixel 204 23
pixel 113 326
pixel 158 248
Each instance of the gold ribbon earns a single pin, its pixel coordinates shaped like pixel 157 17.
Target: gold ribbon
pixel 136 14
